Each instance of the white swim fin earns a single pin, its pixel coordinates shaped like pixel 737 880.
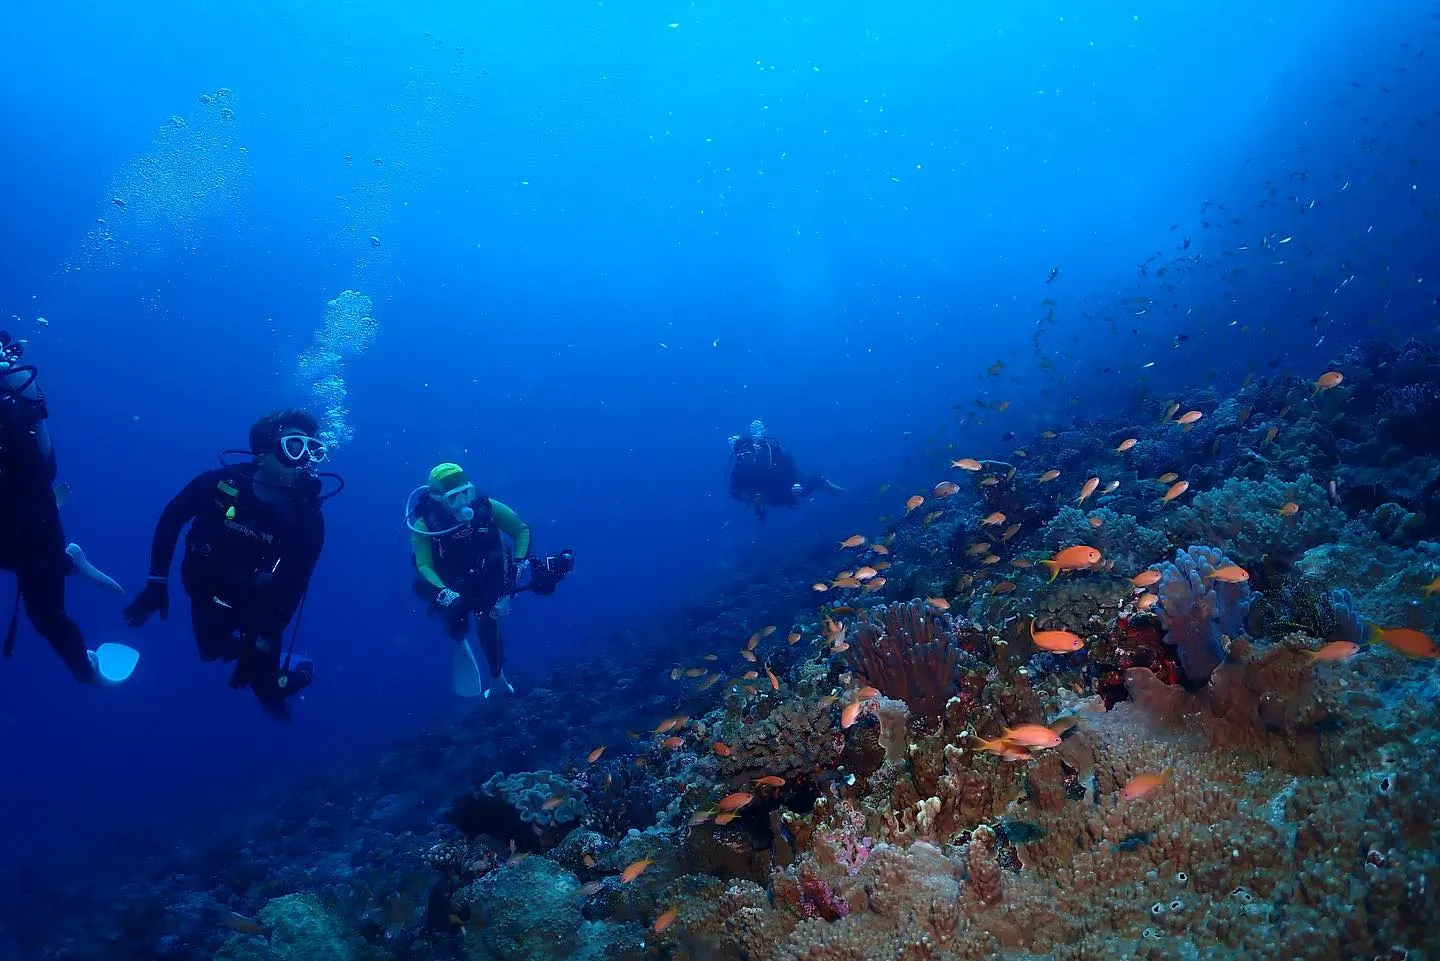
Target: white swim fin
pixel 113 663
pixel 465 672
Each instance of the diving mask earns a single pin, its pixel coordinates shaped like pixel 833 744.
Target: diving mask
pixel 458 502
pixel 300 450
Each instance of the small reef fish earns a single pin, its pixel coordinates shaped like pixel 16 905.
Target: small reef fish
pixel 854 540
pixel 553 802
pixel 1146 578
pixel 939 603
pixel 1334 651
pixel 594 755
pixel 915 501
pixel 1142 784
pixel 849 714
pixel 734 802
pixel 727 817
pixel 721 748
pixel 1059 642
pixel 1146 601
pixel 244 925
pixel 966 463
pixel 1086 490
pixel 945 489
pixel 1167 477
pixel 1188 418
pixel 866 692
pixel 1097 522
pixel 1004 587
pixel 635 869
pixel 665 920
pixel 769 780
pixel 1289 509
pixel 1074 558
pixel 1407 641
pixel 1230 574
pixel 1048 476
pixel 1170 412
pixel 880 548
pixel 992 520
pixel 1176 489
pixel 1328 380
pixel 1126 444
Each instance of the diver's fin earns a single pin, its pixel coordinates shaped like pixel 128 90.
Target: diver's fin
pixel 465 672
pixel 113 663
pixel 499 683
pixel 83 565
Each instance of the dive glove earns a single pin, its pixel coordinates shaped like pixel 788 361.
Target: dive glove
pixel 155 598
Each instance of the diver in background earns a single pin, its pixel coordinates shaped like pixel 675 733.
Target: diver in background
pixel 32 539
pixel 763 474
pixel 256 536
pixel 464 567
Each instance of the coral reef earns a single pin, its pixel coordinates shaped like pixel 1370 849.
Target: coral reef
pixel 1199 612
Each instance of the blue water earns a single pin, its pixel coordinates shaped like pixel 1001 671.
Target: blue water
pixel 610 235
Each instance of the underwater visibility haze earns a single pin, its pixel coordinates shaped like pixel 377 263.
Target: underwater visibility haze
pixel 845 480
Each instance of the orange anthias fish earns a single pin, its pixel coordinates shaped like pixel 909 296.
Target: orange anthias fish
pixel 849 714
pixel 727 817
pixel 672 742
pixel 1060 642
pixel 1087 489
pixel 1004 587
pixel 1289 509
pixel 966 463
pixel 1170 411
pixel 1126 444
pixel 880 548
pixel 819 587
pixel 594 755
pixel 854 540
pixel 1230 574
pixel 635 869
pixel 1334 651
pixel 1146 601
pixel 1145 578
pixel 1074 558
pixel 552 803
pixel 866 692
pixel 1097 522
pixel 774 681
pixel 1407 641
pixel 769 780
pixel 665 920
pixel 1269 436
pixel 1327 380
pixel 734 802
pixel 913 502
pixel 939 603
pixel 721 748
pixel 1429 589
pixel 1189 417
pixel 992 520
pixel 1167 477
pixel 865 573
pixel 945 489
pixel 1176 489
pixel 1142 784
pixel 1048 476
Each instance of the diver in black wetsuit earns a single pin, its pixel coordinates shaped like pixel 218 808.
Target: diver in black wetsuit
pixel 763 474
pixel 256 536
pixel 32 540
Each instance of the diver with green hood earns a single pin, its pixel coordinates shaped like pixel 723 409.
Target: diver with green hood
pixel 32 539
pixel 256 533
pixel 464 566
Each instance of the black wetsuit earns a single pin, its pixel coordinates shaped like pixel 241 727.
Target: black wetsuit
pixel 246 567
pixel 475 563
pixel 763 474
pixel 32 540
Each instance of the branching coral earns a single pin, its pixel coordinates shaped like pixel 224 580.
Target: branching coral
pixel 1246 516
pixel 909 654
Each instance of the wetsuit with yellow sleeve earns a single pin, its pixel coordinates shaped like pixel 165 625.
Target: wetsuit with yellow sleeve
pixel 470 559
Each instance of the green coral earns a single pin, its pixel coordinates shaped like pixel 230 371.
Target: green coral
pixel 1244 517
pixel 300 929
pixel 1119 538
pixel 528 793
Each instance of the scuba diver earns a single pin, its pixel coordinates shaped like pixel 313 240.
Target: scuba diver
pixel 464 567
pixel 32 540
pixel 763 474
pixel 256 536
